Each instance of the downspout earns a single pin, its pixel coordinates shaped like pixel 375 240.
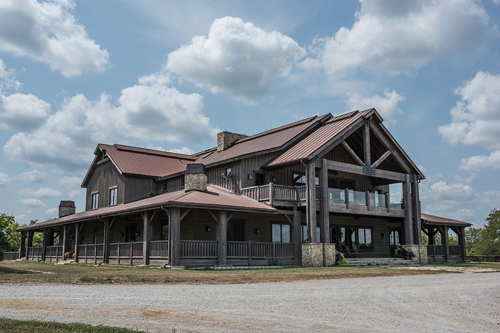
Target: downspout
pixel 307 199
pixel 104 248
pixel 168 241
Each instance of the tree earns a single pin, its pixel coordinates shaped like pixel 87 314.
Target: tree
pixel 471 237
pixel 37 236
pixel 489 239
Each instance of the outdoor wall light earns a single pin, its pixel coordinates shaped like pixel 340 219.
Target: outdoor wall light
pixel 273 179
pixel 383 235
pixel 137 233
pixel 250 177
pixel 122 234
pixel 209 229
pixel 257 231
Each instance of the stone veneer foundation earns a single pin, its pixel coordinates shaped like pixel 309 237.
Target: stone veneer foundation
pixel 420 252
pixel 318 254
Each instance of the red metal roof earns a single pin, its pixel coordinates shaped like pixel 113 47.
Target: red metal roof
pixel 147 162
pixel 315 140
pixel 214 197
pixel 265 141
pixel 431 219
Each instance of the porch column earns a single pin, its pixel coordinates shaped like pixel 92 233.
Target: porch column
pixel 408 223
pixel 146 236
pixel 22 244
pixel 222 238
pixel 29 243
pixel 77 239
pixel 417 223
pixel 297 225
pixel 175 219
pixel 105 241
pixel 311 182
pixel 325 210
pixel 444 241
pixel 64 240
pixel 45 240
pixel 462 242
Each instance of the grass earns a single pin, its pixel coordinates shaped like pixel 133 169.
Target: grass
pixel 33 326
pixel 48 273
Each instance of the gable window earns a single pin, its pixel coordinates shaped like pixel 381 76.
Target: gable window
pixel 95 201
pixel 113 196
pixel 281 233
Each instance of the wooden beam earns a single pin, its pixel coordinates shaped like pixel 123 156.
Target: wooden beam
pixel 324 220
pixel 289 220
pixel 297 226
pixel 408 222
pixel 352 153
pixel 154 215
pixel 311 204
pixel 213 216
pixel 184 214
pixel 366 143
pixel 382 136
pixel 221 231
pixel 356 169
pixel 382 158
pixel 175 214
pixel 229 216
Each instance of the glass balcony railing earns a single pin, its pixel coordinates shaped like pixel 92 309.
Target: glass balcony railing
pixel 377 200
pixel 357 198
pixel 336 195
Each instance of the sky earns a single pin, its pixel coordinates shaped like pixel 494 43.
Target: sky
pixel 169 75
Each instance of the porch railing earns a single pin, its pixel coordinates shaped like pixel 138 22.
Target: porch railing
pixel 90 252
pixel 10 255
pixel 158 249
pixel 440 250
pixel 278 192
pixel 54 253
pixel 199 249
pixel 35 253
pixel 126 250
pixel 260 250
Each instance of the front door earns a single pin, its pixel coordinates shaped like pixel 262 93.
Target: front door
pixel 236 231
pixel 394 240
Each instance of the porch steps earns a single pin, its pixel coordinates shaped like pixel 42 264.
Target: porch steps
pixel 377 261
pixel 225 268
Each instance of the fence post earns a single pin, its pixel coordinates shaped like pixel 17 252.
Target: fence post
pixel 86 252
pixel 95 254
pixel 346 198
pixel 118 254
pixel 249 253
pixel 274 251
pixel 131 253
pixel 387 201
pixel 368 203
pixel 57 253
pixel 271 196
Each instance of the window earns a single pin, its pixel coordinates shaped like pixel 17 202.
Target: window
pixel 113 196
pixel 227 172
pixel 300 179
pixel 394 238
pixel 94 236
pixel 303 233
pixel 165 187
pixel 365 238
pixel 348 238
pixel 164 230
pixel 130 233
pixel 281 233
pixel 182 183
pixel 95 201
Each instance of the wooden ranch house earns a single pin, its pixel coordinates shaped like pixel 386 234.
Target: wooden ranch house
pixel 250 200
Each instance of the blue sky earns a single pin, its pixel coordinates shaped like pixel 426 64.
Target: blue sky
pixel 171 74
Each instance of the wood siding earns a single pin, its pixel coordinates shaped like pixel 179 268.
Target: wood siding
pixel 137 188
pixel 104 177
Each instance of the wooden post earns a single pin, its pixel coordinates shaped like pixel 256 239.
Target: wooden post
pixel 368 203
pixel 325 209
pixel 77 239
pixel 347 198
pixel 44 242
pixel 297 225
pixel 118 253
pixel 175 238
pixel 417 223
pixel 408 222
pixel 274 251
pixel 366 143
pixel 445 243
pixel 387 202
pixel 249 253
pixel 22 244
pixel 464 249
pixel 105 246
pixel 146 216
pixel 131 253
pixel 271 194
pixel 85 252
pixel 222 238
pixel 311 181
pixel 29 243
pixel 57 254
pixel 64 239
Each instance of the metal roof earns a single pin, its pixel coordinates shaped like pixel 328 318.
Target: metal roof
pixel 431 219
pixel 214 198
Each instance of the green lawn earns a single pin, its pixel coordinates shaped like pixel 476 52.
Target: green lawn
pixel 32 326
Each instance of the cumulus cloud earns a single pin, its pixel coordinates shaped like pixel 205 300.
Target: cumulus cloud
pixel 476 118
pixel 7 77
pixel 386 105
pixel 22 112
pixel 481 162
pixel 43 192
pixel 395 37
pixel 32 202
pixel 236 58
pixel 4 179
pixel 69 182
pixel 48 33
pixel 456 192
pixel 183 150
pixel 52 212
pixel 35 177
pixel 148 111
pixel 74 194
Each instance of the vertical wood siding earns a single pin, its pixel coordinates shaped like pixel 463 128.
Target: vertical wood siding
pixel 103 178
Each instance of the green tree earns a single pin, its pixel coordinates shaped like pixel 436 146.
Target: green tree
pixel 489 239
pixel 471 237
pixel 37 236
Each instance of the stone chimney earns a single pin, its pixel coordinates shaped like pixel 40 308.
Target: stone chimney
pixel 195 178
pixel 66 207
pixel 226 139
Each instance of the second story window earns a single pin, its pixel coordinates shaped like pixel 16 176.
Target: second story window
pixel 95 201
pixel 227 172
pixel 113 196
pixel 165 187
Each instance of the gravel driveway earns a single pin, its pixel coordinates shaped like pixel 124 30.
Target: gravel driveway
pixel 443 303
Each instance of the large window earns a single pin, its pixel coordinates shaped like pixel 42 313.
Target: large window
pixel 95 201
pixel 353 238
pixel 365 238
pixel 281 233
pixel 113 196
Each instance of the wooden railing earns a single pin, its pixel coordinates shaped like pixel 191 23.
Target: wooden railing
pixel 440 250
pixel 158 249
pixel 484 258
pixel 125 251
pixel 278 192
pixel 455 250
pixel 10 255
pixel 260 250
pixel 92 252
pixel 199 249
pixel 34 253
pixel 54 253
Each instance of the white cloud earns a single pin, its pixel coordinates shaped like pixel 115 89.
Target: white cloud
pixel 455 193
pixel 32 202
pixel 52 212
pixel 183 150
pixel 22 112
pixel 236 58
pixel 74 194
pixel 476 118
pixel 69 182
pixel 386 105
pixel 43 192
pixel 48 33
pixel 8 77
pixel 496 2
pixel 394 37
pixel 35 177
pixel 149 111
pixel 4 179
pixel 481 162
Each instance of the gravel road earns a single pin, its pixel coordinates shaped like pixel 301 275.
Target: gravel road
pixel 430 303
